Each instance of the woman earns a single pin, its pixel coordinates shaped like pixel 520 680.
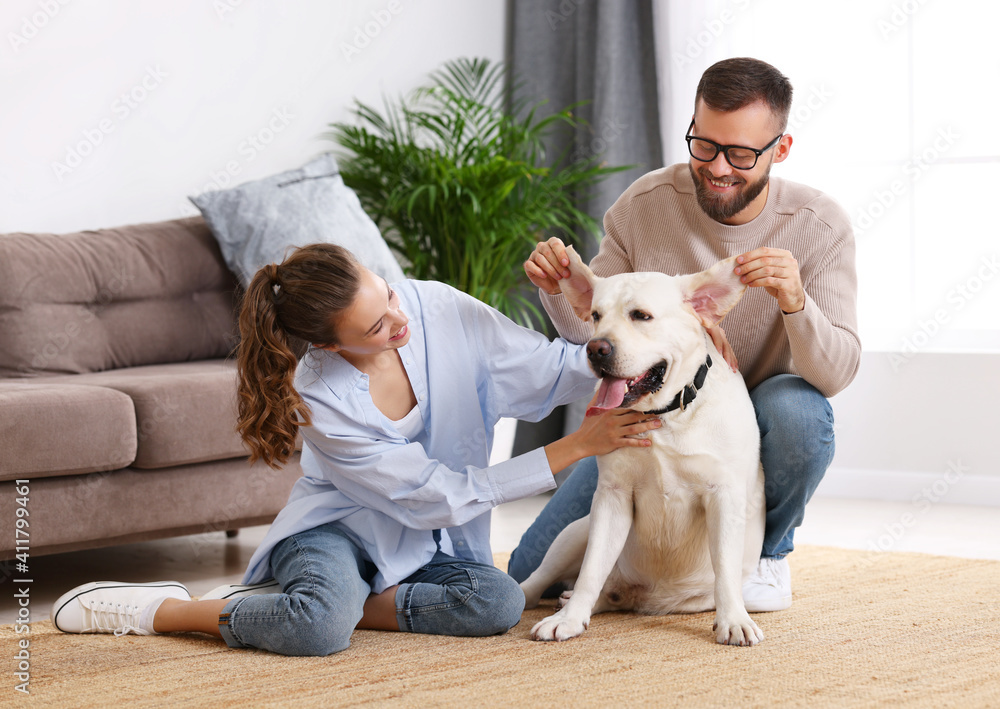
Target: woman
pixel 389 526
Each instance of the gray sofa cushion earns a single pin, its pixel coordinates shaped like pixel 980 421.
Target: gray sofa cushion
pixel 122 506
pixel 256 222
pixel 98 300
pixel 184 412
pixel 50 429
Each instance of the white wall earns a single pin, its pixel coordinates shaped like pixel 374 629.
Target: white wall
pixel 919 427
pixel 115 111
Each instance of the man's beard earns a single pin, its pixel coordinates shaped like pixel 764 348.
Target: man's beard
pixel 724 207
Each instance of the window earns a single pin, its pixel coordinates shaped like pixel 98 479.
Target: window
pixel 894 116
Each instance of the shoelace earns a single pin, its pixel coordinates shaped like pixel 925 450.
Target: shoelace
pixel 116 617
pixel 767 573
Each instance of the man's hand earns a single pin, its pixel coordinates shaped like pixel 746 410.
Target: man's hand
pixel 725 349
pixel 777 271
pixel 547 265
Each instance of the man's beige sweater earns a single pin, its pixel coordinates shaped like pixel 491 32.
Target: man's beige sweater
pixel 657 225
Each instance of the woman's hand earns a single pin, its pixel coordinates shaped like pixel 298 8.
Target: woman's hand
pixel 612 429
pixel 600 434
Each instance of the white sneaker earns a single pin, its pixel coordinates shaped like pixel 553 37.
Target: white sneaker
pixel 235 590
pixel 113 607
pixel 770 588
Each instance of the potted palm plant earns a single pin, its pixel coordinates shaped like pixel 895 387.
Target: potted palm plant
pixel 458 181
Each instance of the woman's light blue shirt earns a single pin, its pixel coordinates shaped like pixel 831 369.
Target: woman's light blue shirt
pixel 468 366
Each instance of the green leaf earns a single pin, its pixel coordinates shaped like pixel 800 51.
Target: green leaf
pixel 457 178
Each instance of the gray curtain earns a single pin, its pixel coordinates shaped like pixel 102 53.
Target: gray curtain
pixel 601 52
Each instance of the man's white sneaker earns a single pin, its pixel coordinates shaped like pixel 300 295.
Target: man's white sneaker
pixel 770 588
pixel 113 607
pixel 235 590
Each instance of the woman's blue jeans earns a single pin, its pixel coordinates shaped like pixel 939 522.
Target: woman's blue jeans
pixel 796 448
pixel 326 579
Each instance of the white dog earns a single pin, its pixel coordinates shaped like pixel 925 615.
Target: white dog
pixel 678 526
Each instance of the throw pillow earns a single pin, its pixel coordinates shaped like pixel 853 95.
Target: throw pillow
pixel 255 223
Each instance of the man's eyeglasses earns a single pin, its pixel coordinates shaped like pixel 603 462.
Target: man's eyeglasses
pixel 740 157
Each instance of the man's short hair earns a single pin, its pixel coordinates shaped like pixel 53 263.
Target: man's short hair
pixel 731 84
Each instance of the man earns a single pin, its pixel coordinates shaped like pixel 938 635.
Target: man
pixel 794 332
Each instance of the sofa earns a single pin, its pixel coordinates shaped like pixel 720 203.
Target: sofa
pixel 118 390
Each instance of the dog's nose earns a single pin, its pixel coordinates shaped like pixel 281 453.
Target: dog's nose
pixel 599 350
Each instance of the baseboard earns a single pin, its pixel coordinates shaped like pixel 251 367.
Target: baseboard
pixel 952 486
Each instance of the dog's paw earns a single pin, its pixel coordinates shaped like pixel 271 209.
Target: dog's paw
pixel 737 630
pixel 559 627
pixel 564 597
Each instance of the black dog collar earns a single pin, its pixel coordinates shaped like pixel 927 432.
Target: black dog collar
pixel 686 395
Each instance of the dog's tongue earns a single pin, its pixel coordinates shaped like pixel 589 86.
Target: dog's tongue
pixel 609 396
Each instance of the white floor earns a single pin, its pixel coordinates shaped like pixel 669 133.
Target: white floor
pixel 206 560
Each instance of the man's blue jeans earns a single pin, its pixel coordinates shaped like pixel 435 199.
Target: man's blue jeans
pixel 325 578
pixel 796 448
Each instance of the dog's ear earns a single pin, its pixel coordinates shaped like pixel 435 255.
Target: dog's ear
pixel 579 287
pixel 712 293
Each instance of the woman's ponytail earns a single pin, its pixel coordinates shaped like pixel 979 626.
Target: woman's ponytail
pixel 298 301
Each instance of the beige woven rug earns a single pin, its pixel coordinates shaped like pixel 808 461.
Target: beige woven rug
pixel 865 630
